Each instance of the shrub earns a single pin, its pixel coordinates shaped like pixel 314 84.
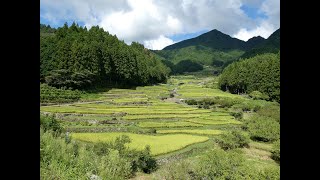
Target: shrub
pixel 219 164
pixel 146 162
pixel 270 173
pixel 276 151
pixel 50 123
pixel 191 102
pixel 272 111
pixel 233 139
pixel 50 94
pixel 61 160
pixel 258 95
pixel 237 115
pixel 263 128
pixel 181 170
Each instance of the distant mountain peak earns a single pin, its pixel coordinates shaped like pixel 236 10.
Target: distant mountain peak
pixel 214 39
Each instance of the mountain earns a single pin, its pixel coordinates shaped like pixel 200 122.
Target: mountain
pixel 254 41
pixel 213 39
pixel 270 45
pixel 213 48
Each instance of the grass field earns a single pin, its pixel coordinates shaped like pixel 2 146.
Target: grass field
pixel 158 144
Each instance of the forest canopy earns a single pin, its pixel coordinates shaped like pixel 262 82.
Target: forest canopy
pixel 260 73
pixel 75 57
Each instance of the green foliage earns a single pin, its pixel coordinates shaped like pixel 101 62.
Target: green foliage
pixel 61 160
pixel 140 160
pixel 220 101
pixel 270 173
pixel 260 73
pixel 219 164
pixel 146 162
pixel 213 39
pixel 276 151
pixel 186 66
pixel 263 128
pixel 181 170
pixel 270 45
pixel 216 164
pixel 49 123
pixel 50 94
pixel 217 63
pixel 272 111
pixel 258 95
pixel 200 54
pixel 233 139
pixel 80 58
pixel 44 29
pixel 237 115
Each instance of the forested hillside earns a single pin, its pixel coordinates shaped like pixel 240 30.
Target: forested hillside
pixel 260 73
pixel 270 45
pixel 214 49
pixel 75 57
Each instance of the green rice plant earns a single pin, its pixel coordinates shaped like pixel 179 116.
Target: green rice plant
pixel 191 131
pixel 152 124
pixel 160 116
pixel 158 144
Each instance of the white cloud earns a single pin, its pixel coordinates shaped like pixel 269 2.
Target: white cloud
pixel 159 43
pixel 265 27
pixel 151 21
pixel 264 30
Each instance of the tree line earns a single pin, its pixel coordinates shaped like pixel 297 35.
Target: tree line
pixel 260 73
pixel 183 66
pixel 76 57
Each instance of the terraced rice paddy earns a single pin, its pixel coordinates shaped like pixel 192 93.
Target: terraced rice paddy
pixel 191 131
pixel 152 124
pixel 143 110
pixel 158 144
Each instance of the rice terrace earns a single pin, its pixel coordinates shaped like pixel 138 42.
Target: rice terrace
pixel 157 90
pixel 155 116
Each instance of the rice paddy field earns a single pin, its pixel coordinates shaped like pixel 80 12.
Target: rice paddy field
pixel 159 144
pixel 156 116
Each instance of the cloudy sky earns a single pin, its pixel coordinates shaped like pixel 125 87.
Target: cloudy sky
pixel 159 23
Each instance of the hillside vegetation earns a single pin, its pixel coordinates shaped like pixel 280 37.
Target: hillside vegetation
pixel 79 58
pixel 270 45
pixel 260 73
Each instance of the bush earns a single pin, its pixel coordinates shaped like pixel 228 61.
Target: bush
pixel 181 170
pixel 50 123
pixel 233 139
pixel 191 101
pixel 50 94
pixel 256 95
pixel 237 115
pixel 276 151
pixel 146 162
pixel 263 128
pixel 272 111
pixel 219 164
pixel 247 106
pixel 61 160
pixel 270 173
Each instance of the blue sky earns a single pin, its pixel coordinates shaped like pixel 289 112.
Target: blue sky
pixel 158 24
